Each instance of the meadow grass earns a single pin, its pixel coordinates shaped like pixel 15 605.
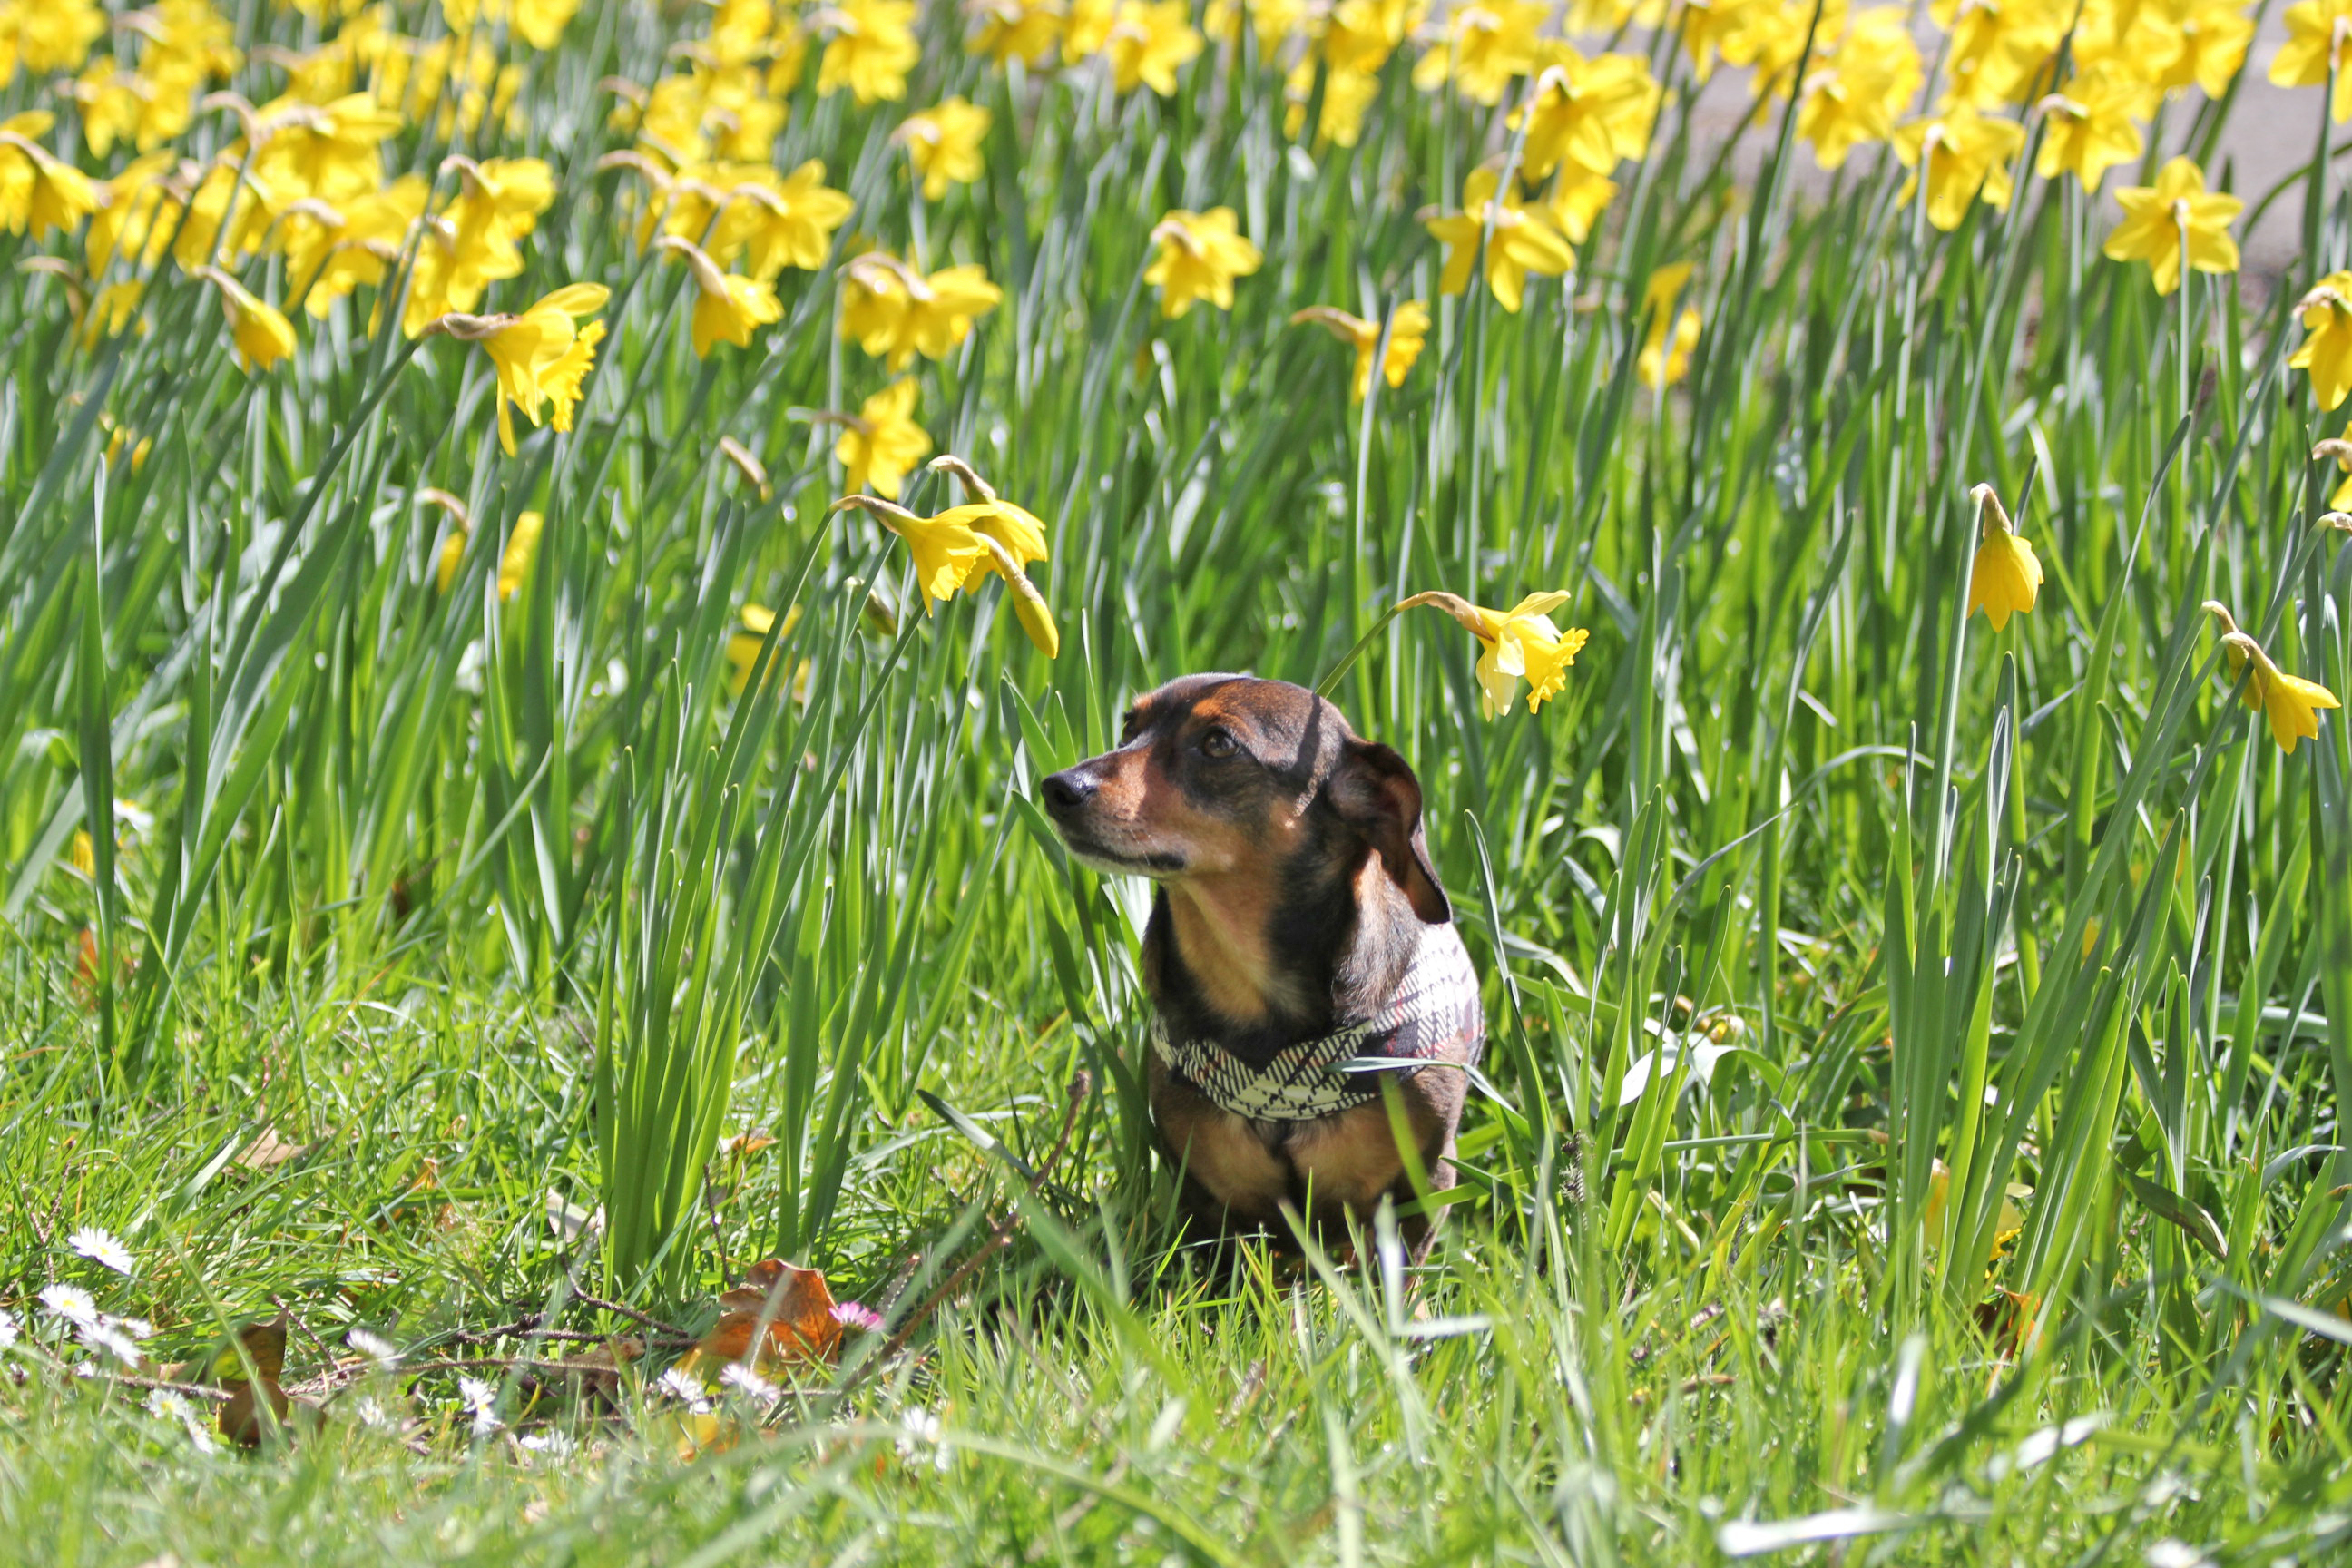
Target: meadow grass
pixel 1909 1129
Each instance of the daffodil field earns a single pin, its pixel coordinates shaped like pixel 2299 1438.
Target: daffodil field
pixel 545 548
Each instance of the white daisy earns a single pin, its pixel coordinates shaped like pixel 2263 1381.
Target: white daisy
pixel 740 1379
pixel 101 1248
pixel 112 1341
pixel 72 1303
pixel 9 1330
pixel 921 1429
pixel 553 1444
pixel 684 1386
pixel 372 1413
pixel 385 1354
pixel 480 1400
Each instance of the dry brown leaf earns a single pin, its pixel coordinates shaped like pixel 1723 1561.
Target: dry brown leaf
pixel 749 1141
pixel 270 1151
pixel 798 1309
pixel 252 1378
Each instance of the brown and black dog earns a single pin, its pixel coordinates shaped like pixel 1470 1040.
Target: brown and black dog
pixel 1297 922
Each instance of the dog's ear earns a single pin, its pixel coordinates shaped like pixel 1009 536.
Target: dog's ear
pixel 1376 795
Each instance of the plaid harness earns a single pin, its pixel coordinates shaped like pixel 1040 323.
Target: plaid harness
pixel 1436 1002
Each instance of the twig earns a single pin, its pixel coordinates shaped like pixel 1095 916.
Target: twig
pixel 1000 1235
pixel 629 1312
pixel 166 1385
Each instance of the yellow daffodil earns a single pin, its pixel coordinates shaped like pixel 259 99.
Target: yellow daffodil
pixel 263 335
pixel 54 36
pixel 521 552
pixel 1485 47
pixel 1667 343
pixel 1769 39
pixel 332 250
pixel 1578 198
pixel 871 48
pixel 895 311
pixel 743 647
pixel 2007 574
pixel 728 306
pixel 327 151
pixel 1016 529
pixel 1593 114
pixel 1149 41
pixel 541 355
pixel 1995 48
pixel 943 145
pixel 1965 155
pixel 538 23
pixel 1273 21
pixel 1406 340
pixel 1017 30
pixel 2326 348
pixel 946 553
pixel 883 442
pixel 2340 448
pixel 2289 702
pixel 38 190
pixel 2318 51
pixel 1520 643
pixel 1707 27
pixel 1525 239
pixel 2087 127
pixel 1199 256
pixel 1854 96
pixel 2174 213
pixel 2209 39
pixel 1346 94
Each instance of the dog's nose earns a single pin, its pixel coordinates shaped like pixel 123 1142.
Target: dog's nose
pixel 1067 791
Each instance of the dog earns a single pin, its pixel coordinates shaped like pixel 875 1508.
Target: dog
pixel 1296 924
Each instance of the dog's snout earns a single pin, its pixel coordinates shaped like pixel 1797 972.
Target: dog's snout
pixel 1068 791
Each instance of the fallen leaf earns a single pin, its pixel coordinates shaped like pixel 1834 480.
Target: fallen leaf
pixel 749 1141
pixel 793 1305
pixel 270 1151
pixel 251 1368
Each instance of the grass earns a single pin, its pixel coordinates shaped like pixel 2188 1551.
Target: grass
pixel 1916 1051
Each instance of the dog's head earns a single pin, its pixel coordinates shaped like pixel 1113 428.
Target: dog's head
pixel 1224 777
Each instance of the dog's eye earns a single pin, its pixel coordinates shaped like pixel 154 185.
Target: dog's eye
pixel 1218 744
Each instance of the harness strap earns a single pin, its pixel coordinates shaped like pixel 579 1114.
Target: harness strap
pixel 1436 1002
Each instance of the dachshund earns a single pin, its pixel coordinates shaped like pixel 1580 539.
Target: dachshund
pixel 1296 926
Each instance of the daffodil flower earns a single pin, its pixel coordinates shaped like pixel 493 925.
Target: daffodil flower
pixel 262 334
pixel 1962 156
pixel 1590 114
pixel 2326 348
pixel 895 311
pixel 1149 40
pixel 1199 256
pixel 2340 448
pixel 942 144
pixel 2160 220
pixel 872 48
pixel 728 306
pixel 2087 127
pixel 38 190
pixel 881 442
pixel 1667 344
pixel 2007 574
pixel 743 647
pixel 1525 239
pixel 2318 51
pixel 2289 702
pixel 1406 337
pixel 541 355
pixel 1520 643
pixel 946 552
pixel 1016 529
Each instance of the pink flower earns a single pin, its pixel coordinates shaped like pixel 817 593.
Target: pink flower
pixel 856 1315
